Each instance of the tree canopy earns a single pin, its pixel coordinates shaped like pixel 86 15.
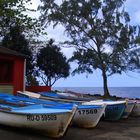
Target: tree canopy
pixel 15 12
pixel 52 63
pixel 17 30
pixel 101 32
pixel 16 40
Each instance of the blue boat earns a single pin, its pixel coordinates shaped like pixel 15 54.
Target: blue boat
pixel 114 112
pixel 86 116
pixel 56 97
pixel 63 96
pixel 52 122
pixel 130 104
pixel 114 109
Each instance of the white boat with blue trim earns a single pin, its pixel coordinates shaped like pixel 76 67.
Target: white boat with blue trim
pixel 86 116
pixel 49 121
pixel 136 109
pixel 129 108
pixel 114 109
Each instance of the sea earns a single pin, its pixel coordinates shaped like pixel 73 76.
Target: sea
pixel 127 92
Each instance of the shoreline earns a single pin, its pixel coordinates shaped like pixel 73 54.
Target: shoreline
pixel 94 96
pixel 125 92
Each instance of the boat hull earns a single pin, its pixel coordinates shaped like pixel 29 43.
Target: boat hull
pixel 52 125
pixel 136 109
pixel 114 112
pixel 128 109
pixel 88 118
pixel 85 117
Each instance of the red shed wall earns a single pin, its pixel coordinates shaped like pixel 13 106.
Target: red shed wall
pixel 18 73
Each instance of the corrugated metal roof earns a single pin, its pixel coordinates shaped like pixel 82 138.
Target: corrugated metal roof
pixel 7 51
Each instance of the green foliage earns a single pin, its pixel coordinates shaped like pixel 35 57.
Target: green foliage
pixel 15 40
pixel 100 31
pixel 14 12
pixel 52 63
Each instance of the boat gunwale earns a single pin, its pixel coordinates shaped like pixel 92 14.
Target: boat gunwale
pixel 22 113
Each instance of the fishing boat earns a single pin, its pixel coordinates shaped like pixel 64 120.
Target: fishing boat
pixel 66 96
pixel 52 122
pixel 114 109
pixel 59 98
pixel 69 96
pixel 129 107
pixel 50 96
pixel 86 116
pixel 136 109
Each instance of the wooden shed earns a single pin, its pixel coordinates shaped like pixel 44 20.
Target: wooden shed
pixel 12 71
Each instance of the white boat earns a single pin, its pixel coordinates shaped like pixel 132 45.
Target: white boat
pixel 129 107
pixel 66 94
pixel 86 116
pixel 114 109
pixel 39 96
pixel 50 122
pixel 136 109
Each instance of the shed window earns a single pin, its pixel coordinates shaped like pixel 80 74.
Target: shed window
pixel 6 71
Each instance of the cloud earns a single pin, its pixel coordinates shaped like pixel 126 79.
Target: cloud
pixel 33 5
pixel 56 33
pixel 68 52
pixel 59 35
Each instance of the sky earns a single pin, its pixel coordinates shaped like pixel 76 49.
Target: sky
pixel 129 79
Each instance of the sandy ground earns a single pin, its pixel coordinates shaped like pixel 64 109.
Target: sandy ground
pixel 128 129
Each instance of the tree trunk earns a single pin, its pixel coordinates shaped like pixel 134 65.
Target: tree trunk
pixel 103 69
pixel 49 82
pixel 106 91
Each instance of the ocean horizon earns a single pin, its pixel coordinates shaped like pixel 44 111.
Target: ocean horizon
pixel 127 92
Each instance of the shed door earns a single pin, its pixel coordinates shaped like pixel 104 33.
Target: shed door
pixel 6 76
pixel 6 72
